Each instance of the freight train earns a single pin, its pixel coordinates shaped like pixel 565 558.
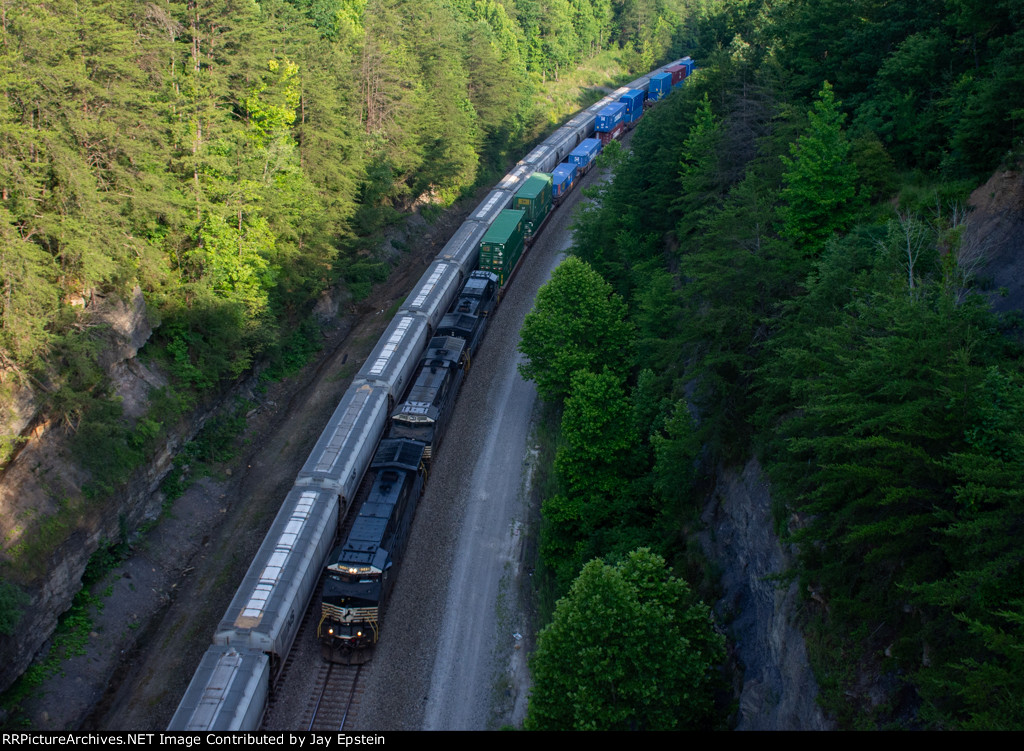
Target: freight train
pixel 399 388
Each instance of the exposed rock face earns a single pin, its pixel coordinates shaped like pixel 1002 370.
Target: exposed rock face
pixel 779 690
pixel 994 238
pixel 42 486
pixel 129 326
pixel 24 407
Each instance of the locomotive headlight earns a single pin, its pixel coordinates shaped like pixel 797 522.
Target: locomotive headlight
pixel 330 632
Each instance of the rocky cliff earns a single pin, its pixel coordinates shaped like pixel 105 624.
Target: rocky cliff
pixel 49 529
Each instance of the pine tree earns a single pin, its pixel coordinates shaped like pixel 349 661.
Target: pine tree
pixel 820 180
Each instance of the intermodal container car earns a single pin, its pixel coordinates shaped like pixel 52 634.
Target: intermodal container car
pixel 583 156
pixel 562 180
pixel 534 198
pixel 634 101
pixel 503 244
pixel 610 117
pixel 659 87
pixel 678 73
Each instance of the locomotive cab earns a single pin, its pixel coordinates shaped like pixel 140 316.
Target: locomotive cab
pixel 349 621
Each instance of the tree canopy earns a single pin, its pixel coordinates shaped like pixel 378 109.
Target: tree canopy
pixel 820 181
pixel 629 648
pixel 577 323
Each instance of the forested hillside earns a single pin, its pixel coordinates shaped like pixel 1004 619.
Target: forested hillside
pixel 781 271
pixel 227 156
pixel 220 164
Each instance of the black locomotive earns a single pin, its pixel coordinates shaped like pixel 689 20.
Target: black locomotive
pixel 360 572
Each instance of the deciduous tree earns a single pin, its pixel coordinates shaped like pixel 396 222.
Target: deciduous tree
pixel 630 648
pixel 577 323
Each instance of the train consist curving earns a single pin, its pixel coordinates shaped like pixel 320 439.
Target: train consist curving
pixel 405 390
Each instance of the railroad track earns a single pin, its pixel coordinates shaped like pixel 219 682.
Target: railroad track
pixel 336 701
pixel 333 695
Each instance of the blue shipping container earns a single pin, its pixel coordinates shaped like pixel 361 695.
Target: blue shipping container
pixel 688 63
pixel 584 154
pixel 562 178
pixel 634 101
pixel 659 87
pixel 610 117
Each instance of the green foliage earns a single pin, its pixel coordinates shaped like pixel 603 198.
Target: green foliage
pixel 880 396
pixel 820 193
pixel 8 446
pixel 875 167
pixel 587 517
pixel 233 263
pixel 975 682
pixel 618 234
pixel 699 176
pixel 109 447
pixel 215 443
pixel 102 562
pixel 577 323
pixel 293 353
pixel 12 600
pixel 629 649
pixel 884 400
pixel 675 456
pixel 611 156
pixel 738 270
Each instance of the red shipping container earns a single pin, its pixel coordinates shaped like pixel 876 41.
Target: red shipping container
pixel 606 138
pixel 678 73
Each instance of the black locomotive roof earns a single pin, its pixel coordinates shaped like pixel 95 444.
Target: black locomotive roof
pixel 398 453
pixel 479 287
pixel 476 286
pixel 396 462
pixel 435 368
pixel 458 324
pixel 445 349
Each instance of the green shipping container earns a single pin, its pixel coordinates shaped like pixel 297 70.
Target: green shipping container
pixel 535 199
pixel 503 244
